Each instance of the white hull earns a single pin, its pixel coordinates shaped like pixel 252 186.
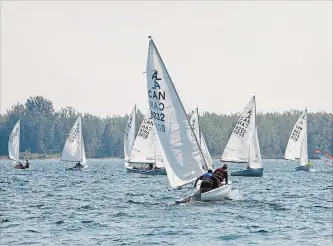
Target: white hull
pixel 217 194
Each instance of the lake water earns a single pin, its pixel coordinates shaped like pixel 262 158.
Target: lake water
pixel 105 205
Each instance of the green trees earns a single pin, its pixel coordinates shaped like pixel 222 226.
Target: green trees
pixel 44 130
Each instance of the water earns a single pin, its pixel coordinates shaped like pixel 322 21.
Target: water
pixel 104 205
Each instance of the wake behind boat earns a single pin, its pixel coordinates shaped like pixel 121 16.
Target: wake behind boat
pixel 180 149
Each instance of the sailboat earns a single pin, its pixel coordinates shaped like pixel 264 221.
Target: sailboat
pixel 180 150
pixel 297 147
pixel 14 146
pixel 145 150
pixel 325 157
pixel 243 144
pixel 129 137
pixel 196 128
pixel 74 150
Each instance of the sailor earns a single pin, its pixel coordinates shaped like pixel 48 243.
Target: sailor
pixel 78 165
pixel 222 173
pixel 20 165
pixel 207 182
pixel 151 166
pixel 309 163
pixel 26 164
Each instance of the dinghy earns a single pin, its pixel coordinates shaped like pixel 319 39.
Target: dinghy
pixel 74 147
pixel 145 150
pixel 297 147
pixel 180 150
pixel 243 144
pixel 14 146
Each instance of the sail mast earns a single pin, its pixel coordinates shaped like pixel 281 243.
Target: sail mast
pixel 179 102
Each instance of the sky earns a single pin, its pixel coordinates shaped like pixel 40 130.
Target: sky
pixel 91 55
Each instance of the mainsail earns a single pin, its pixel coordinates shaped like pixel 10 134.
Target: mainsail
pixel 14 143
pixel 129 135
pixel 237 148
pixel 298 133
pixel 254 152
pixel 194 121
pixel 144 148
pixel 74 147
pixel 180 150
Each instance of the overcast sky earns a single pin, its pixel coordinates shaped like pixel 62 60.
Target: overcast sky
pixel 91 55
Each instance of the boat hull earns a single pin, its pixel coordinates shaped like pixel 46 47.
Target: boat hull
pixel 303 168
pixel 147 172
pixel 20 167
pixel 258 172
pixel 217 194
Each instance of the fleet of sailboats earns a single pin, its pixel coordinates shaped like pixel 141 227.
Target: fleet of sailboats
pixel 243 145
pixel 145 149
pixel 170 143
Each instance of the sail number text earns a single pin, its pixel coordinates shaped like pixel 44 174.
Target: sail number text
pixel 242 124
pixel 156 102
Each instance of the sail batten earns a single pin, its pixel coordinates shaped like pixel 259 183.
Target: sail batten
pixel 180 151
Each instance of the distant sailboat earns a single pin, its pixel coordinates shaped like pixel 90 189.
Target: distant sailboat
pixel 129 136
pixel 14 146
pixel 180 150
pixel 194 121
pixel 145 150
pixel 297 147
pixel 74 150
pixel 243 144
pixel 328 159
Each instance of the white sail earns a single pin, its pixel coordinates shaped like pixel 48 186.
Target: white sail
pixel 129 135
pixel 205 151
pixel 14 143
pixel 180 151
pixel 304 158
pixel 144 148
pixel 194 121
pixel 237 148
pixel 83 153
pixel 293 150
pixel 72 151
pixel 255 155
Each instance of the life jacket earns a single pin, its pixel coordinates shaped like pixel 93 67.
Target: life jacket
pixel 219 174
pixel 207 176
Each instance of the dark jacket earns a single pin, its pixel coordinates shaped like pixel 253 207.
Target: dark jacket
pixel 221 174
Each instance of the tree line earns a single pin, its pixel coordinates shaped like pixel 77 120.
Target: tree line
pixel 44 130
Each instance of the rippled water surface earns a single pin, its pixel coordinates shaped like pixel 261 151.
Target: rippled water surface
pixel 105 205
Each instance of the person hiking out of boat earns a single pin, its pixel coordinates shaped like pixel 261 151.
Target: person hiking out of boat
pixel 26 164
pixel 309 163
pixel 207 181
pixel 78 165
pixel 222 173
pixel 20 165
pixel 150 166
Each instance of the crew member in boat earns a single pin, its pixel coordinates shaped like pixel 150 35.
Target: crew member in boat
pixel 208 181
pixel 20 165
pixel 222 173
pixel 26 164
pixel 309 163
pixel 78 165
pixel 150 166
